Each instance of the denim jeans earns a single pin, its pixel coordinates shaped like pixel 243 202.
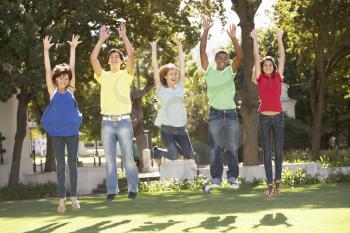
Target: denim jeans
pixel 223 138
pixel 271 134
pixel 177 142
pixel 59 144
pixel 121 131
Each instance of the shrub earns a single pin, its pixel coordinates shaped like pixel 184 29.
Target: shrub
pixel 297 156
pixel 299 177
pixel 28 191
pixel 335 158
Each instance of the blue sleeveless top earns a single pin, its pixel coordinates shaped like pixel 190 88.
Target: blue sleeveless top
pixel 62 116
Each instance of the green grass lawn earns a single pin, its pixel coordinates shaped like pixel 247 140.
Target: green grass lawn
pixel 313 208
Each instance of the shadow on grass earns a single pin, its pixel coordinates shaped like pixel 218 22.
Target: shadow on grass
pixel 215 223
pixel 219 202
pixel 151 226
pixel 48 228
pixel 101 226
pixel 270 220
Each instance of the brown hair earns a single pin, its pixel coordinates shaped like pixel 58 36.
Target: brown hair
pixel 163 71
pixel 271 59
pixel 114 50
pixel 61 69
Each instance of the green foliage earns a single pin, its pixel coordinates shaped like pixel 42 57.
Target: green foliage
pixel 173 185
pixel 299 177
pixel 296 134
pixel 28 191
pixel 335 158
pixel 297 156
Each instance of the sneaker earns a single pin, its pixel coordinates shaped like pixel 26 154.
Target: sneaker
pixel 207 188
pixel 110 197
pixel 233 182
pixel 132 195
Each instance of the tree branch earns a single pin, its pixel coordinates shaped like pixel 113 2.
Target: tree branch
pixel 149 85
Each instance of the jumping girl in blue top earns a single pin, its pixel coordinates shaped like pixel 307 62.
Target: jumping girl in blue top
pixel 62 119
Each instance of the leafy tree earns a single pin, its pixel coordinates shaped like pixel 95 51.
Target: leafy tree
pixel 320 37
pixel 24 23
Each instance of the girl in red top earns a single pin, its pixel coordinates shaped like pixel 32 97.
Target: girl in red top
pixel 268 76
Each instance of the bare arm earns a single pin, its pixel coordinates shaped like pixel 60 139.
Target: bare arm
pixel 96 66
pixel 155 64
pixel 181 61
pixel 207 24
pixel 257 68
pixel 73 45
pixel 129 49
pixel 48 72
pixel 282 56
pixel 239 54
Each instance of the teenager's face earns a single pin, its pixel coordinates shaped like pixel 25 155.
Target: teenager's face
pixel 62 81
pixel 114 59
pixel 267 67
pixel 221 61
pixel 172 77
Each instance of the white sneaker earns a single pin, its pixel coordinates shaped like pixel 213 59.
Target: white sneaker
pixel 207 188
pixel 233 182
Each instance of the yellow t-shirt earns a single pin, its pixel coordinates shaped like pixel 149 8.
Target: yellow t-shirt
pixel 115 92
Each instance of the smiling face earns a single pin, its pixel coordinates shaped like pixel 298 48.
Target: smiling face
pixel 62 82
pixel 114 59
pixel 172 77
pixel 221 59
pixel 268 66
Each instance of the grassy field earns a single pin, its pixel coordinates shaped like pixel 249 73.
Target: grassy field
pixel 313 208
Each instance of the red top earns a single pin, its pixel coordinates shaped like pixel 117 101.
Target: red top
pixel 269 90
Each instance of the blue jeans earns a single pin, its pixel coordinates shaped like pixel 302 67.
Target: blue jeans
pixel 59 144
pixel 271 134
pixel 177 142
pixel 113 131
pixel 223 138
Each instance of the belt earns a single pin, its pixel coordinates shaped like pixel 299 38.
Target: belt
pixel 116 117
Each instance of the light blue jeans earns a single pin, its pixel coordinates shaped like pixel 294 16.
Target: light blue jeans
pixel 223 138
pixel 113 131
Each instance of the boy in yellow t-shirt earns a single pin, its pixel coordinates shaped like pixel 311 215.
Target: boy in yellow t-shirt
pixel 115 110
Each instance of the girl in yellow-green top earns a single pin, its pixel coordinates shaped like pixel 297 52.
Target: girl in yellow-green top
pixel 223 121
pixel 115 110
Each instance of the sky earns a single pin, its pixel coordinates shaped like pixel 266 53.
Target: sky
pixel 219 38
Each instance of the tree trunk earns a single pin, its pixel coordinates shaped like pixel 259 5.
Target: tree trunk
pixel 248 93
pixel 137 119
pixel 21 132
pixel 50 163
pixel 317 92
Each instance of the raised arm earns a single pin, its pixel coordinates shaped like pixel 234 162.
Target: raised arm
pixel 257 68
pixel 181 60
pixel 207 24
pixel 239 54
pixel 129 49
pixel 73 45
pixel 96 66
pixel 282 56
pixel 155 64
pixel 48 72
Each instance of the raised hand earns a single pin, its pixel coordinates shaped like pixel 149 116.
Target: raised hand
pixel 279 33
pixel 231 31
pixel 122 30
pixel 75 41
pixel 104 33
pixel 207 23
pixel 253 34
pixel 47 42
pixel 154 44
pixel 178 40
